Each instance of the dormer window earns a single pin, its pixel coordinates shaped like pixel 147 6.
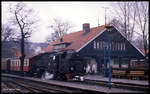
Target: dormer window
pixel 61 45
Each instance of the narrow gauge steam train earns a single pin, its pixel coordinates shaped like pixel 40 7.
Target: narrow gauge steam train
pixel 59 65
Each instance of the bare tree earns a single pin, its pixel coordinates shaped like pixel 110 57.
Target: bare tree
pixel 143 15
pixel 134 17
pixel 7 32
pixel 126 16
pixel 24 20
pixel 58 29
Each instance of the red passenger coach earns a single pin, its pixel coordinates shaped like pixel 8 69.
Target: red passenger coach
pixel 16 63
pixel 13 65
pixel 4 65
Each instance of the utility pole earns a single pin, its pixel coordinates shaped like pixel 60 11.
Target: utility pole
pixel 105 13
pixel 98 22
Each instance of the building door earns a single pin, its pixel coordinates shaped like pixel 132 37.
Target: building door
pixel 91 66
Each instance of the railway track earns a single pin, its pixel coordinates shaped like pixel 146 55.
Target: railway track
pixel 32 87
pixel 68 87
pixel 38 87
pixel 11 88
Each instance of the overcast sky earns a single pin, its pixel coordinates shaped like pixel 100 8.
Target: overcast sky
pixel 75 12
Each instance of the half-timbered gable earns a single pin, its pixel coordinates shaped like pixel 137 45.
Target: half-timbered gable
pixel 119 45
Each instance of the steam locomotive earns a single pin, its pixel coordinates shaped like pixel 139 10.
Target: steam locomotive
pixel 62 65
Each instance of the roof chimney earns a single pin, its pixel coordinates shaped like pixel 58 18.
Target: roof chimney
pixel 61 39
pixel 86 28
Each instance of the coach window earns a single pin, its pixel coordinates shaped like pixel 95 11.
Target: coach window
pixel 19 63
pixel 27 62
pixel 16 62
pixel 11 62
pixel 24 62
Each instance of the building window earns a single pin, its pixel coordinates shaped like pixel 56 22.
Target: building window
pixel 121 46
pixel 94 45
pixel 124 46
pixel 103 45
pixel 97 45
pixel 112 46
pixel 118 46
pixel 106 45
pixel 100 46
pixel 60 46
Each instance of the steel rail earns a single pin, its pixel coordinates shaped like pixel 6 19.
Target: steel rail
pixel 57 88
pixel 10 86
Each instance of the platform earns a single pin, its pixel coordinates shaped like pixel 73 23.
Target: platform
pixel 102 78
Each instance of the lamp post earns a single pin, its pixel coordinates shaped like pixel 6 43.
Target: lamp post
pixel 109 83
pixel 104 62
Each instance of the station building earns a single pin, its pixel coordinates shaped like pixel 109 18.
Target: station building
pixel 93 44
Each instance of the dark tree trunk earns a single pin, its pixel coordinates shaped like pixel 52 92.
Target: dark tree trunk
pixel 22 55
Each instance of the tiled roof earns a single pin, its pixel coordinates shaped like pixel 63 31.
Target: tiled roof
pixel 77 39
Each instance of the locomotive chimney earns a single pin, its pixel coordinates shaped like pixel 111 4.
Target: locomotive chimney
pixel 86 28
